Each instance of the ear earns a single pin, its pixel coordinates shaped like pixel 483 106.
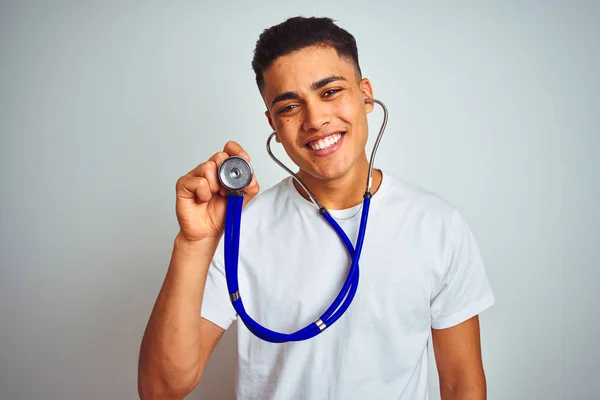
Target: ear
pixel 367 92
pixel 268 115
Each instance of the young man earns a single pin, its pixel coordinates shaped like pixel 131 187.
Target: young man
pixel 421 273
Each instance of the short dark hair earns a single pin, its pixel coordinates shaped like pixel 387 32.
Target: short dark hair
pixel 297 33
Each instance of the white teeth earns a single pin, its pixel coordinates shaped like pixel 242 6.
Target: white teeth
pixel 325 142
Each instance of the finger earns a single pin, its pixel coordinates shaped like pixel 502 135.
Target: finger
pixel 234 149
pixel 203 190
pixel 219 157
pixel 190 187
pixel 253 188
pixel 210 174
pixel 207 170
pixel 251 191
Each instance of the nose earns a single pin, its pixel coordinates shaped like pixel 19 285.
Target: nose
pixel 316 116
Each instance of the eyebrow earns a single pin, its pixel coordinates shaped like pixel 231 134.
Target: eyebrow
pixel 315 86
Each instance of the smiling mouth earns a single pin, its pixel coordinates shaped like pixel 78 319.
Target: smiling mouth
pixel 324 143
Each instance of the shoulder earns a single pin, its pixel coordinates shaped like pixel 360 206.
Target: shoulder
pixel 416 214
pixel 413 199
pixel 427 217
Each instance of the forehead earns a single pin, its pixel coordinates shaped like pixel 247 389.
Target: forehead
pixel 298 70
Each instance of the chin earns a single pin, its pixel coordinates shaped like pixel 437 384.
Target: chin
pixel 328 174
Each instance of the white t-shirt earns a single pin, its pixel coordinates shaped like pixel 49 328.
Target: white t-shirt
pixel 420 268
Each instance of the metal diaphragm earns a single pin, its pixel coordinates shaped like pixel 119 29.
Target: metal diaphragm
pixel 235 173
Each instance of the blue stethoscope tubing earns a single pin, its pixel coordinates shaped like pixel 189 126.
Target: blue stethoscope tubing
pixel 340 304
pixel 337 307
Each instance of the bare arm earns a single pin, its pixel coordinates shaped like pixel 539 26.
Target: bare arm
pixel 178 341
pixel 458 358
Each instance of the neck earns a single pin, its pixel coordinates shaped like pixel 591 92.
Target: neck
pixel 341 193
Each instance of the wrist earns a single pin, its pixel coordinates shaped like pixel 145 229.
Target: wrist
pixel 192 258
pixel 195 246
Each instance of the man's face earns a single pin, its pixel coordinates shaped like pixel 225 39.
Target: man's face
pixel 316 104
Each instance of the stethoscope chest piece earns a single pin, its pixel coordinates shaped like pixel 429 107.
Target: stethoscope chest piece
pixel 235 173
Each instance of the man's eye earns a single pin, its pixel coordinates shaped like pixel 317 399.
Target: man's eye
pixel 331 92
pixel 288 108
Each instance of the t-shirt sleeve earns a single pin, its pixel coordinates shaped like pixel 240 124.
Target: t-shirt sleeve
pixel 464 290
pixel 216 306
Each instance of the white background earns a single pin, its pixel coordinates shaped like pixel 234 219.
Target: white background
pixel 103 105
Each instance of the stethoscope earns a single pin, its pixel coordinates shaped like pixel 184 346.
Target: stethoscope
pixel 235 173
